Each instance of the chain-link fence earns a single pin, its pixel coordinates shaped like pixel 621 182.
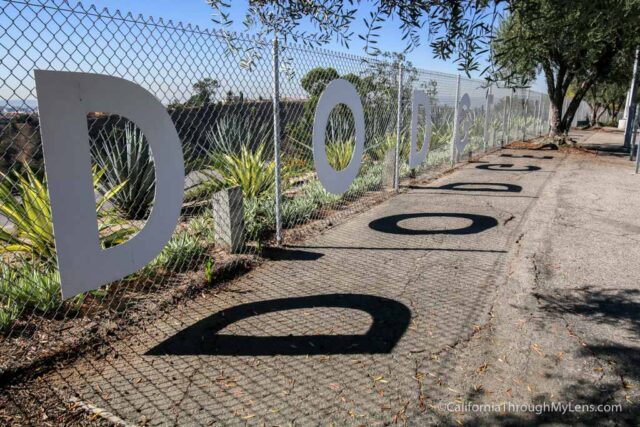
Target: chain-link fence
pixel 222 104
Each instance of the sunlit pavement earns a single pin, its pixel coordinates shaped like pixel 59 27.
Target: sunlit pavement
pixel 424 277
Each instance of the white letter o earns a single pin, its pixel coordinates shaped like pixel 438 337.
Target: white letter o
pixel 418 97
pixel 339 91
pixel 462 138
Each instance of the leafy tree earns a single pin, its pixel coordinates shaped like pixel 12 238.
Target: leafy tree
pixel 606 97
pixel 317 79
pixel 609 94
pixel 205 90
pixel 614 98
pixel 576 43
pixel 204 94
pixel 567 41
pixel 453 26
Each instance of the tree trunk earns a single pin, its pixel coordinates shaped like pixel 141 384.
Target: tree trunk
pixel 557 85
pixel 572 108
pixel 555 122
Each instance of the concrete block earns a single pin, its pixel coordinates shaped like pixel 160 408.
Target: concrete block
pixel 228 218
pixel 389 169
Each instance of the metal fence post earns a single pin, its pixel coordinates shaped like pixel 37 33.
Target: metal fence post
pixel 638 159
pixel 276 137
pixel 485 136
pixel 455 121
pixel 525 109
pixel 631 115
pixel 396 178
pixel 539 118
pixel 507 122
pixel 634 132
pixel 536 113
pixel 505 118
pixel 549 117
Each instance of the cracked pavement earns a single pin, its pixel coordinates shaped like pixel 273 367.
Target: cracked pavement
pixel 532 297
pixel 564 326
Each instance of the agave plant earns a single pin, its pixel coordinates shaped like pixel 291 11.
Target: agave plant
pixel 384 143
pixel 30 285
pixel 182 253
pixel 232 132
pixel 125 157
pixel 251 170
pixel 442 129
pixel 340 142
pixel 9 312
pixel 339 153
pixel 30 213
pixel 238 156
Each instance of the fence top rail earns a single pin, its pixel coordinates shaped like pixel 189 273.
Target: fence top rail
pixel 226 36
pixel 117 15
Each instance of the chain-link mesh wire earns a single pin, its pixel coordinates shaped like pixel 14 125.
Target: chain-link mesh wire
pixel 221 105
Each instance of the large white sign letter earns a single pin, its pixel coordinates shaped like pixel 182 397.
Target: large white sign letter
pixel 462 138
pixel 339 91
pixel 487 119
pixel 64 99
pixel 416 157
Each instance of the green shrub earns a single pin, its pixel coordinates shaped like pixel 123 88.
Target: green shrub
pixel 9 312
pixel 316 192
pixel 30 213
pixel 209 273
pixel 339 153
pixel 125 156
pixel 202 226
pixel 183 253
pixel 259 218
pixel 259 214
pixel 298 210
pixel 252 170
pixel 30 285
pixel 368 180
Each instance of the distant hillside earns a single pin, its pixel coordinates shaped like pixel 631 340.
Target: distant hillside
pixel 19 105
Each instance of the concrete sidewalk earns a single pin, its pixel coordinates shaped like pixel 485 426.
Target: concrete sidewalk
pixel 381 319
pixel 565 325
pixel 605 141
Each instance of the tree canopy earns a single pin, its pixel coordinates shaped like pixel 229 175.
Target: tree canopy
pixel 579 43
pixel 317 79
pixel 569 42
pixel 455 29
pixel 204 92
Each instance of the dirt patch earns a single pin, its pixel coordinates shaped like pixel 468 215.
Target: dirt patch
pixel 547 144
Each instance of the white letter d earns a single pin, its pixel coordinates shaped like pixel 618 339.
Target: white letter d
pixel 64 100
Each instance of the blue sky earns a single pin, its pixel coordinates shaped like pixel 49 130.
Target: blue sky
pixel 199 13
pixel 65 44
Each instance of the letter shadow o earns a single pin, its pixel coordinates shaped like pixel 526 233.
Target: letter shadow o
pixel 389 224
pixel 482 186
pixel 508 167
